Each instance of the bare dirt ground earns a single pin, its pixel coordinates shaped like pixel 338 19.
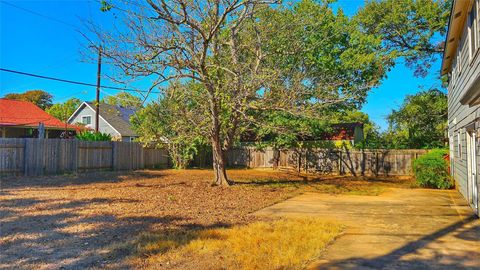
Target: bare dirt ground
pixel 77 222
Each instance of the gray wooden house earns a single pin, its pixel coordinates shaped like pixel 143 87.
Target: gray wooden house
pixel 113 120
pixel 461 62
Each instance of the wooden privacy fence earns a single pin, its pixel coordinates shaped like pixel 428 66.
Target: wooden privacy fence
pixel 31 157
pixel 355 162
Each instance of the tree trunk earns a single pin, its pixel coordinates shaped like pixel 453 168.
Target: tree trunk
pixel 220 178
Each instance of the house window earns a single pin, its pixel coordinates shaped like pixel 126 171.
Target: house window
pixel 87 120
pixel 473 31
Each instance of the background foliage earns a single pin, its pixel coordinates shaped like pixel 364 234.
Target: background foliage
pixel 421 121
pixel 93 136
pixel 38 97
pixel 176 122
pixel 64 110
pixel 123 99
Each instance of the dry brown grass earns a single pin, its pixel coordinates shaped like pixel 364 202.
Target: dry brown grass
pixel 280 244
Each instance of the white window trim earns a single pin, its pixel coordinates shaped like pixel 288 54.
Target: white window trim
pixel 85 116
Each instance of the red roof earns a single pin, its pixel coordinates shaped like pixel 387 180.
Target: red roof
pixel 27 114
pixel 342 131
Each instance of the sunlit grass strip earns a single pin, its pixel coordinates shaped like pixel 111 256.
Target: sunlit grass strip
pixel 281 244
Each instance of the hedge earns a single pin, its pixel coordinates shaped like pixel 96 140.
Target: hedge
pixel 432 170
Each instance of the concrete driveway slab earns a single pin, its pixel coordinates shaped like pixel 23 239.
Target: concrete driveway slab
pixel 400 229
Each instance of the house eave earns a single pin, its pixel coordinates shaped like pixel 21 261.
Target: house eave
pixel 458 17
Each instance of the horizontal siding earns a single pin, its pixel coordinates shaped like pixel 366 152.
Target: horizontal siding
pixel 459 116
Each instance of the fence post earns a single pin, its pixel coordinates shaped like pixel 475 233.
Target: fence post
pixel 395 162
pixel 340 161
pixel 75 155
pixel 114 155
pixel 299 160
pixel 306 160
pixel 25 155
pixel 142 156
pixel 276 158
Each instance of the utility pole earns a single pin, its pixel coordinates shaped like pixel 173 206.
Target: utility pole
pixel 97 100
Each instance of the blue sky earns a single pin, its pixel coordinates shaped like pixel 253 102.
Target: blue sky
pixel 49 44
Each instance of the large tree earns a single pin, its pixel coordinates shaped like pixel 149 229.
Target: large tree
pixel 250 57
pixel 124 99
pixel 64 110
pixel 176 122
pixel 421 121
pixel 410 29
pixel 38 97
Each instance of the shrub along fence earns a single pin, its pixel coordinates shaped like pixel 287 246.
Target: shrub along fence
pixel 32 157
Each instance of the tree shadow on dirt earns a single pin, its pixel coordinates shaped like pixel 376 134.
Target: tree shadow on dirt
pixel 337 181
pixel 76 179
pixel 410 255
pixel 58 234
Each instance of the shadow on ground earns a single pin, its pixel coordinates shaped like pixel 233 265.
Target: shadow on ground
pixel 56 235
pixel 75 179
pixel 85 222
pixel 408 256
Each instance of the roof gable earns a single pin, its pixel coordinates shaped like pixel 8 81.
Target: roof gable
pixel 116 116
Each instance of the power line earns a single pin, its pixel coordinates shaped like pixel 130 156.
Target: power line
pixel 74 82
pixel 39 14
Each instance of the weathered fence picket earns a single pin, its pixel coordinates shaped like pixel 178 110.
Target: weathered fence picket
pixel 155 158
pixel 12 156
